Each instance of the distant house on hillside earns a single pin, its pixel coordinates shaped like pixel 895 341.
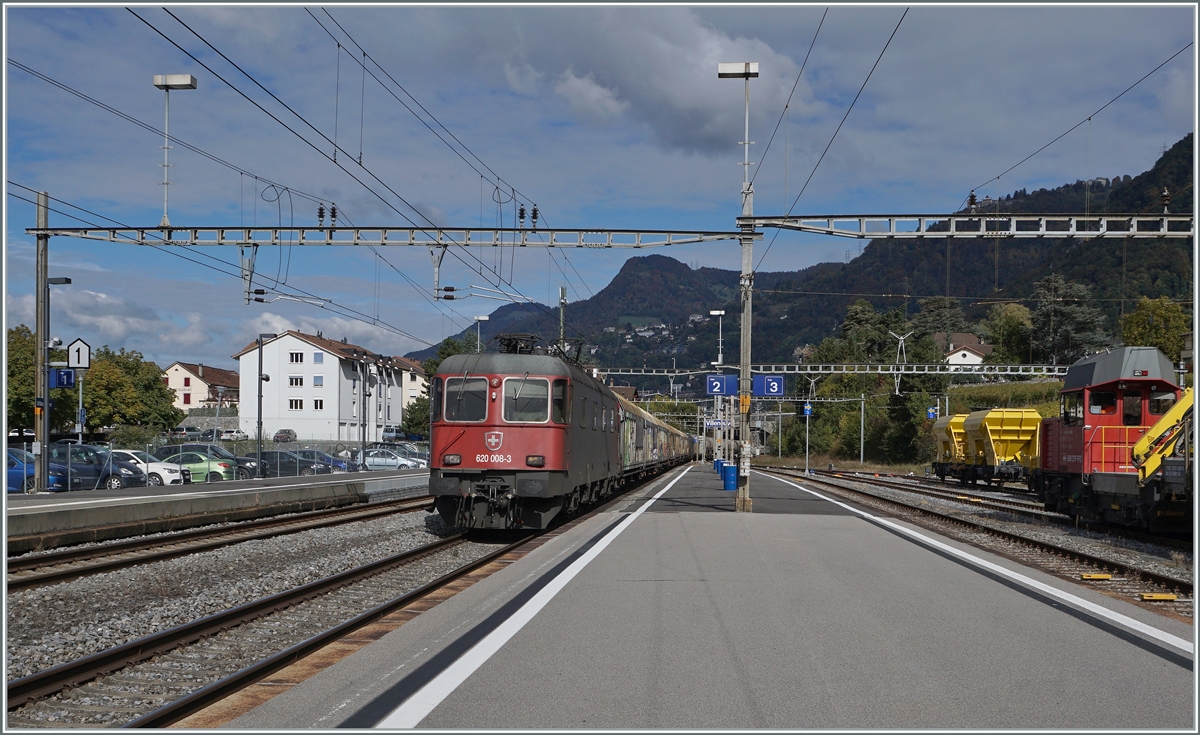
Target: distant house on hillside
pixel 195 385
pixel 629 393
pixel 962 348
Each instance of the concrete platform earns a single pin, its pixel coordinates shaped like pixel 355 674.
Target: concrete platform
pixel 678 613
pixel 47 520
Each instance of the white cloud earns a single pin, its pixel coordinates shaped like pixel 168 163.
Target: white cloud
pixel 522 78
pixel 588 99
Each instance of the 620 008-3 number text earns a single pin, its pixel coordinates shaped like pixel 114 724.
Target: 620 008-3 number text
pixel 484 458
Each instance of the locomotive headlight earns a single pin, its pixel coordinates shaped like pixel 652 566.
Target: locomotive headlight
pixel 535 460
pixel 452 459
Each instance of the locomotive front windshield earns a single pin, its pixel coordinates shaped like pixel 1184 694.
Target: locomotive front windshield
pixel 466 399
pixel 527 400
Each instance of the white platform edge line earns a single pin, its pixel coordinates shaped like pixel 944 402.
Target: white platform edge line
pixel 1116 617
pixel 414 709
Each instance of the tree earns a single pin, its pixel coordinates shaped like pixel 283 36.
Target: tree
pixel 416 418
pixel 1157 323
pixel 448 347
pixel 22 384
pixel 1008 328
pixel 939 314
pixel 1064 328
pixel 123 388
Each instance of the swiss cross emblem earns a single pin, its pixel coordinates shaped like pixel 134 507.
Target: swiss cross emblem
pixel 493 439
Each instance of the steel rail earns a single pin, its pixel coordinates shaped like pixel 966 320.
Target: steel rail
pixel 72 673
pixel 1161 580
pixel 190 543
pixel 218 690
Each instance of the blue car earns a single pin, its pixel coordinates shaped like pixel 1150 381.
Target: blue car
pixel 22 468
pixel 338 464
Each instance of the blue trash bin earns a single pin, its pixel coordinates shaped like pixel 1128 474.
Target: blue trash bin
pixel 717 466
pixel 729 475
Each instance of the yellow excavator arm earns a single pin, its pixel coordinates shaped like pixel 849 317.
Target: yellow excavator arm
pixel 1159 441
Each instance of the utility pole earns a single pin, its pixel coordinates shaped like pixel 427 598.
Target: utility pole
pixel 41 414
pixel 747 71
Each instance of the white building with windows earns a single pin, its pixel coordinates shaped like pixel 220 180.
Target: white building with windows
pixel 324 389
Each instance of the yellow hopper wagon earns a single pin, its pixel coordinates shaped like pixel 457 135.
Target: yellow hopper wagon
pixel 994 445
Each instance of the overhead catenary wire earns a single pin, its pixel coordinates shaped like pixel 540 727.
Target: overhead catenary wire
pixel 787 104
pixel 497 181
pixel 834 136
pixel 1086 119
pixel 234 271
pixel 316 148
pixel 242 172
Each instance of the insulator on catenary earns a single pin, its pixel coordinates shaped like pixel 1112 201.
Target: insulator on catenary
pixel 534 215
pixel 972 201
pixel 320 215
pixel 332 215
pixel 1166 199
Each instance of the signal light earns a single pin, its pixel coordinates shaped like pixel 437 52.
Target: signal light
pixel 451 460
pixel 535 460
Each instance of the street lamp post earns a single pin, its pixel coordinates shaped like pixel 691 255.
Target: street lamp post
pixel 478 338
pixel 167 82
pixel 744 70
pixel 42 430
pixel 262 378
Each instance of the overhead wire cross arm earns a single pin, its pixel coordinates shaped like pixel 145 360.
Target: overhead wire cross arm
pixel 920 226
pixel 378 236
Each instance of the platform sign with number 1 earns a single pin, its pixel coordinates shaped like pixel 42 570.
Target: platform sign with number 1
pixel 79 355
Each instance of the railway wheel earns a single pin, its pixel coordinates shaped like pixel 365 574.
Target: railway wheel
pixel 114 482
pixel 154 480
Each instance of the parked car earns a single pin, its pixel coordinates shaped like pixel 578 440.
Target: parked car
pixel 285 435
pixel 156 472
pixel 23 434
pixel 234 435
pixel 392 434
pixel 95 469
pixel 203 467
pixel 288 464
pixel 390 459
pixel 208 435
pixel 247 467
pixel 338 464
pixel 187 433
pixel 405 449
pixel 22 468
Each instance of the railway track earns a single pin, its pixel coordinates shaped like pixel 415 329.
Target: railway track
pixel 1017 506
pixel 177 673
pixel 186 667
pixel 1124 579
pixel 36 570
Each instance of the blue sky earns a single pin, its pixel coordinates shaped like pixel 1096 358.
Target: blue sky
pixel 605 117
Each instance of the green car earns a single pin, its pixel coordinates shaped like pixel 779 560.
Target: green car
pixel 203 468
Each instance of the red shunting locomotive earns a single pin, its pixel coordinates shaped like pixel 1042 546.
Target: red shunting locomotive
pixel 1108 402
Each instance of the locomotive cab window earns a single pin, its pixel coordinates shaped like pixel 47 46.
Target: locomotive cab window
pixel 466 399
pixel 527 400
pixel 1071 405
pixel 560 403
pixel 1103 403
pixel 1161 401
pixel 1131 408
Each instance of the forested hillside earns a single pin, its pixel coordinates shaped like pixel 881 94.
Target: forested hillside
pixel 795 309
